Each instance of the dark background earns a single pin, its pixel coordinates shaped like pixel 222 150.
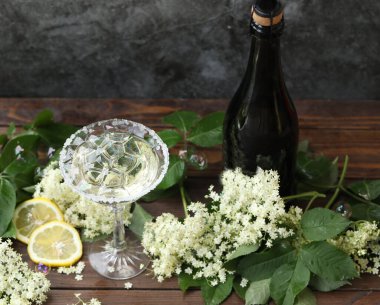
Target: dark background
pixel 182 48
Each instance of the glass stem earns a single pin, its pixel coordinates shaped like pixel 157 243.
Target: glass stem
pixel 119 230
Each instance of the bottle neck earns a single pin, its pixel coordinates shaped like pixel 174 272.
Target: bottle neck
pixel 265 59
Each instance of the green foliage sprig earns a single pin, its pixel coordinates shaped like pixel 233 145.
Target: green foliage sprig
pixel 190 131
pixel 284 271
pixel 318 177
pixel 289 269
pixel 21 162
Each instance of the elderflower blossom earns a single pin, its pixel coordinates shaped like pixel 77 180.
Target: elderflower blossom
pixel 128 285
pixel 244 282
pixel 95 219
pixel 18 284
pixel 93 301
pixel 363 244
pixel 77 269
pixel 292 220
pixel 247 211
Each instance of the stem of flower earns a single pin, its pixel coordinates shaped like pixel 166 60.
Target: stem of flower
pixel 332 199
pixel 320 185
pixel 311 202
pixel 354 196
pixel 4 175
pixel 183 197
pixel 340 183
pixel 305 195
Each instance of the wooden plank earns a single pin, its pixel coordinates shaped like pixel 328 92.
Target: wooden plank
pixel 133 297
pixel 81 112
pixel 362 146
pixel 334 128
pixel 318 114
pixel 148 297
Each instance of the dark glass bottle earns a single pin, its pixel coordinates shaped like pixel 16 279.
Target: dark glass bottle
pixel 261 124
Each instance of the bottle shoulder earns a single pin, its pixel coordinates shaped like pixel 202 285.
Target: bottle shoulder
pixel 262 112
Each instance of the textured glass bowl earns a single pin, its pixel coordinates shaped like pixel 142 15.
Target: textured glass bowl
pixel 115 162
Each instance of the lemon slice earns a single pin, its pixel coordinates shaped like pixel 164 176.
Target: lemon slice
pixel 33 213
pixel 55 244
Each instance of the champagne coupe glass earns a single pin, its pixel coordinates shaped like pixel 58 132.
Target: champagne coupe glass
pixel 115 162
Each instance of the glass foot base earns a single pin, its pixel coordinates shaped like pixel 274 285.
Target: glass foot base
pixel 118 264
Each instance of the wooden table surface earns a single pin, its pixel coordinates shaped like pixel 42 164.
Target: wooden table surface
pixel 334 128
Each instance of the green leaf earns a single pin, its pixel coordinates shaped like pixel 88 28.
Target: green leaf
pixel 43 118
pixel 232 260
pixel 303 146
pixel 11 231
pixel 240 291
pixel 369 190
pixel 22 196
pixel 3 139
pixel 260 266
pixel 170 137
pixel 366 211
pixel 216 295
pixel 21 171
pixel 29 189
pixel 11 129
pixel 243 250
pixel 159 194
pixel 138 220
pixel 55 156
pixel 185 281
pixel 324 285
pixel 317 171
pixel 306 297
pixel 321 224
pixel 174 174
pixel 328 262
pixel 258 293
pixel 7 204
pixel 183 120
pixel 288 281
pixel 17 147
pixel 208 131
pixel 55 134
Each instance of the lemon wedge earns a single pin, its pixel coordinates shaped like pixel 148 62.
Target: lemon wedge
pixel 33 213
pixel 55 244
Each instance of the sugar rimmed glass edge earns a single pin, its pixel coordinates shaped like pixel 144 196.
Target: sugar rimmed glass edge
pixel 107 200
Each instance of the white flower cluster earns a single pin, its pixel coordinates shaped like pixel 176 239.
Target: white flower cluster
pixel 363 244
pixel 18 284
pixel 93 301
pixel 95 219
pixel 128 285
pixel 247 211
pixel 292 220
pixel 77 269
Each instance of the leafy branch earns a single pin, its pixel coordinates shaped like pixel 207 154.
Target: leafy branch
pixel 284 271
pixel 21 162
pixel 190 132
pixel 318 177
